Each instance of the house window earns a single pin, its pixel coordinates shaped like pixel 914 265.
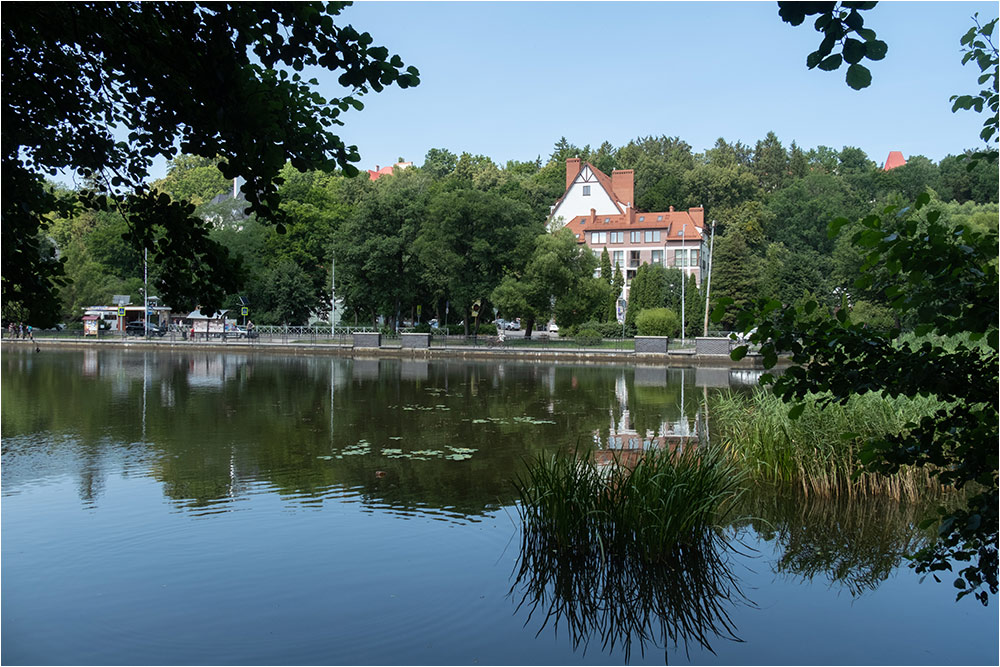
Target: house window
pixel 694 257
pixel 635 237
pixel 657 257
pixel 641 218
pixel 656 236
pixel 586 191
pixel 607 219
pixel 633 258
pixel 680 257
pixel 618 237
pixel 618 257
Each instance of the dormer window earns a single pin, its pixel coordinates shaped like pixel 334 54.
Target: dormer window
pixel 586 191
pixel 641 218
pixel 606 220
pixel 659 218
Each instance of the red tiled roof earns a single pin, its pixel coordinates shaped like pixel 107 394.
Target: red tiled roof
pixel 672 221
pixel 894 160
pixel 385 171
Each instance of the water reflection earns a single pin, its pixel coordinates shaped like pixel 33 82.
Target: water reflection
pixel 852 544
pixel 626 601
pixel 441 439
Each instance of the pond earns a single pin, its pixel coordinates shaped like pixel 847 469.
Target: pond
pixel 207 508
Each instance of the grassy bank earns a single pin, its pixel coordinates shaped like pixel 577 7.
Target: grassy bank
pixel 812 451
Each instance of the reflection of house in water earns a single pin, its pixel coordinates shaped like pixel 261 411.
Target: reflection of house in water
pixel 213 370
pixel 626 445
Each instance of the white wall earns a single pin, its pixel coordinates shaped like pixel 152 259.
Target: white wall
pixel 574 203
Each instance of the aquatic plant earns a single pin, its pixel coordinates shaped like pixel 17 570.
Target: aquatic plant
pixel 812 451
pixel 626 600
pixel 667 498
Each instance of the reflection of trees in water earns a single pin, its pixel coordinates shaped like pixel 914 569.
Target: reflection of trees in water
pixel 855 543
pixel 620 599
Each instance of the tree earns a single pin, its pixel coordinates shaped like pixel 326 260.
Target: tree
pixel 558 279
pixel 945 280
pixel 101 89
pixel 770 163
pixel 469 240
pixel 606 274
pixel 837 21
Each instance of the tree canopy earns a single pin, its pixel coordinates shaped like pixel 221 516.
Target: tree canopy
pixel 100 90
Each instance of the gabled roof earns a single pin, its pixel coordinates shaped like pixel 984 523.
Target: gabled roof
pixel 894 160
pixel 603 180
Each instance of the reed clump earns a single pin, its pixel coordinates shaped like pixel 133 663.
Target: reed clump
pixel 820 451
pixel 668 498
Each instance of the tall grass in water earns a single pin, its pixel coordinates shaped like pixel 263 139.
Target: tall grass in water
pixel 666 499
pixel 811 451
pixel 629 554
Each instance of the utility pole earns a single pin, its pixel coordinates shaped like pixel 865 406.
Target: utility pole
pixel 684 263
pixel 708 283
pixel 145 293
pixel 333 293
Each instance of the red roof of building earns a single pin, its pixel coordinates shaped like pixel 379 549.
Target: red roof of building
pixel 691 220
pixel 894 160
pixel 385 171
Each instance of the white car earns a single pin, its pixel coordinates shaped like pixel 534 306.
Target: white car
pixel 553 327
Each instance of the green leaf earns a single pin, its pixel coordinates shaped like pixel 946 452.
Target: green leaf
pixel 796 411
pixel 923 199
pixel 876 49
pixel 831 63
pixel 813 59
pixel 858 77
pixel 835 226
pixel 739 352
pixel 854 50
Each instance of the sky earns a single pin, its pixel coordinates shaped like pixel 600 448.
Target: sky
pixel 508 79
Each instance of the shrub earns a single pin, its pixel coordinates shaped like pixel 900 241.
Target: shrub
pixel 658 322
pixel 588 337
pixel 609 329
pixel 487 330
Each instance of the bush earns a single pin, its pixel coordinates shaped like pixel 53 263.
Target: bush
pixel 658 322
pixel 588 337
pixel 610 329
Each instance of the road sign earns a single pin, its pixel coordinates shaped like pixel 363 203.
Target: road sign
pixel 476 305
pixel 121 311
pixel 244 311
pixel 419 308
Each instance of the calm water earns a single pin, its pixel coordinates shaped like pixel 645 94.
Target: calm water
pixel 168 508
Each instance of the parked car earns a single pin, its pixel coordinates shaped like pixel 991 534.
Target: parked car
pixel 138 329
pixel 553 327
pixel 433 323
pixel 240 331
pixel 512 325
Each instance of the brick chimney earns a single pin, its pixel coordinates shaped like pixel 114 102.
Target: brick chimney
pixel 623 184
pixel 572 170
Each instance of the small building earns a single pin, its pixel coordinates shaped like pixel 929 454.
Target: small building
pixel 204 325
pixel 118 316
pixel 600 212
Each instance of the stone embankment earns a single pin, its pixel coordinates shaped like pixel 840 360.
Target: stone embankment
pixel 648 350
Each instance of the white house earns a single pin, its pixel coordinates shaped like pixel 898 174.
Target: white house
pixel 600 212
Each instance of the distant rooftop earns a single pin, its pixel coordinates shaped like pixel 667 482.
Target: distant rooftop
pixel 894 160
pixel 378 173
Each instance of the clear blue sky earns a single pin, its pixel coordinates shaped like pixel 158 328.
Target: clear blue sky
pixel 508 79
